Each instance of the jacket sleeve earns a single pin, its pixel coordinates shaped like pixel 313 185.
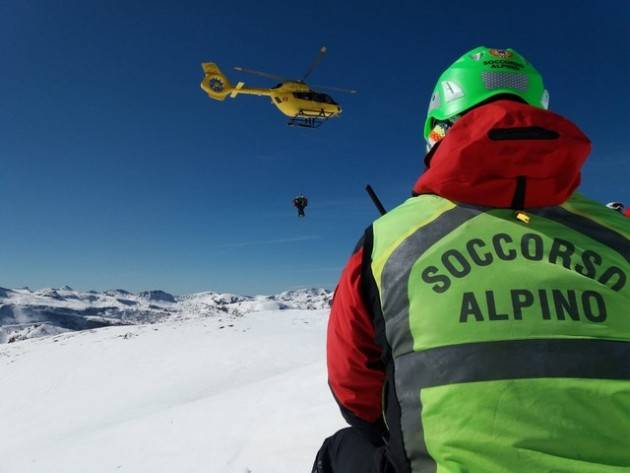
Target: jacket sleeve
pixel 355 371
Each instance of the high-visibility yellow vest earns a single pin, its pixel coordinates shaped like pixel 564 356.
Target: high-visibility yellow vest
pixel 510 335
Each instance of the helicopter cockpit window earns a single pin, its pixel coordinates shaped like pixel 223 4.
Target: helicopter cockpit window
pixel 324 98
pixel 302 95
pixel 328 99
pixel 314 97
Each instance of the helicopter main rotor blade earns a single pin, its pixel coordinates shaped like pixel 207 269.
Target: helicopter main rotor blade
pixel 335 89
pixel 315 62
pixel 259 73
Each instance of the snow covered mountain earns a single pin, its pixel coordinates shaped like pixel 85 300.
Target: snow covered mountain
pixel 28 314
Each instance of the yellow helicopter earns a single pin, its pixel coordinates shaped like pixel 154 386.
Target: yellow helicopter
pixel 305 106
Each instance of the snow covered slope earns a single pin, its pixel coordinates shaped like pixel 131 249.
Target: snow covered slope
pixel 221 394
pixel 28 314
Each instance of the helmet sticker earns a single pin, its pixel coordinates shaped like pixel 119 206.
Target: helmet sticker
pixel 451 90
pixel 544 100
pixel 503 64
pixel 435 101
pixel 476 56
pixel 504 59
pixel 618 206
pixel 501 53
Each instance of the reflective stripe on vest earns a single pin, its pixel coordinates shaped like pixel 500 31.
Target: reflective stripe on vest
pixel 477 303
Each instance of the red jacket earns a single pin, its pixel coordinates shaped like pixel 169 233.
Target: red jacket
pixel 504 154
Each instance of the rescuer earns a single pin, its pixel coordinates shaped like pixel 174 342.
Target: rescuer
pixel 483 325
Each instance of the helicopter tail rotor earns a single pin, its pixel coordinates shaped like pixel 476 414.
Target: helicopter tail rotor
pixel 214 82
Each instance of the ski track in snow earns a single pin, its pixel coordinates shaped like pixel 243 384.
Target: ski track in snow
pixel 179 396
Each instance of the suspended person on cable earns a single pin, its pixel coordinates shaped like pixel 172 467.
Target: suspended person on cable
pixel 300 203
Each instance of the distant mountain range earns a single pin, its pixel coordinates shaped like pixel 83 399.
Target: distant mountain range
pixel 25 313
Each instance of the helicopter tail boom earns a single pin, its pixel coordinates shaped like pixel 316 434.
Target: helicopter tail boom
pixel 218 86
pixel 241 89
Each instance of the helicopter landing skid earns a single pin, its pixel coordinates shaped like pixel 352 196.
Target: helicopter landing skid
pixel 309 120
pixel 306 122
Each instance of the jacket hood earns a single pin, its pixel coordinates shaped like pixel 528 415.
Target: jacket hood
pixel 507 154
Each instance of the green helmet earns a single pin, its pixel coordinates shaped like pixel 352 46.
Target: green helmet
pixel 480 74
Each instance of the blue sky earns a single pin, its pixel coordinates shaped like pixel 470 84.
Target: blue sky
pixel 117 171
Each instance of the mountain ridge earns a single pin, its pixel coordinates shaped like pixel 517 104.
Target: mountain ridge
pixel 27 313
